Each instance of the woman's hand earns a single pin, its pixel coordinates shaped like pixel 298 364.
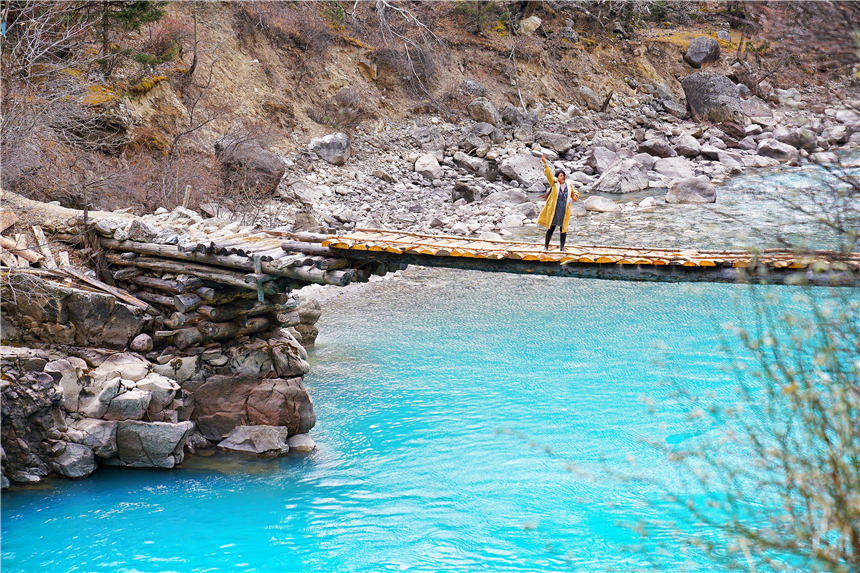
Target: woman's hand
pixel 542 158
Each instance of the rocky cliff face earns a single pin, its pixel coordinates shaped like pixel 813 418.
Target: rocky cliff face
pixel 74 398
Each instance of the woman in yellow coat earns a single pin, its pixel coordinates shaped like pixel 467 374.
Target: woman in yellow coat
pixel 556 210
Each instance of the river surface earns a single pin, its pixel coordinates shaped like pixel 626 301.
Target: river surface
pixel 450 407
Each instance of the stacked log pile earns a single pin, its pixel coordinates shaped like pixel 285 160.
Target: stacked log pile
pixel 208 281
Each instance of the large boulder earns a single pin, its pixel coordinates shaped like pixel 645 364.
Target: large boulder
pixel 687 145
pixel 674 167
pixel 75 461
pixel 600 204
pixel 220 405
pixel 97 435
pixel 557 142
pixel 523 168
pixel 590 98
pixel 334 148
pixel 600 159
pixel 625 176
pixel 246 165
pixel 264 441
pixel 428 167
pixel 713 97
pixel 69 381
pixel 482 109
pixel 430 139
pixel 702 50
pixel 782 152
pixel 278 402
pixel 509 198
pixel 150 444
pixel 130 405
pixel 485 168
pixel 692 190
pixel 657 147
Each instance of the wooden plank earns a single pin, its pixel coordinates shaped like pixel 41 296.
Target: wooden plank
pixel 49 262
pixel 122 295
pixel 7 219
pixel 26 254
pixel 8 259
pixel 20 247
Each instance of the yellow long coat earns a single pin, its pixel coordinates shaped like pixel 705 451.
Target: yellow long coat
pixel 548 211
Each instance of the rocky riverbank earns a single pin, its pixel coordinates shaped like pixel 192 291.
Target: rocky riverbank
pixel 639 163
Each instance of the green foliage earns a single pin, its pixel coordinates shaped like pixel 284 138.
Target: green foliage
pixel 760 50
pixel 335 14
pixel 132 15
pixel 482 14
pixel 659 10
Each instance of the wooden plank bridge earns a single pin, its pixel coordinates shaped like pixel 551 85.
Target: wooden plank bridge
pixel 774 266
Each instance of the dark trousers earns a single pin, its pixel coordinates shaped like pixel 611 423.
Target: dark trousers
pixel 549 236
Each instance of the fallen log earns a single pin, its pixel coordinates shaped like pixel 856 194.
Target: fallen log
pixel 180 285
pixel 275 267
pixel 185 337
pixel 179 319
pixel 331 264
pixel 186 302
pixel 161 299
pixel 222 313
pixel 43 246
pixel 307 248
pixel 122 295
pixel 24 253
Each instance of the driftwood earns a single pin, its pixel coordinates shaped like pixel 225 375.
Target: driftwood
pixel 49 263
pixel 222 313
pixel 185 337
pixel 24 253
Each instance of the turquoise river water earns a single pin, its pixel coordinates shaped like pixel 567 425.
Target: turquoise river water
pixel 450 405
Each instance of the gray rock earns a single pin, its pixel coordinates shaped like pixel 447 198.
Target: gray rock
pixel 141 343
pixel 252 363
pixel 755 107
pixel 129 405
pixel 473 88
pixel 97 435
pixel 150 444
pixel 692 190
pixel 782 152
pixel 524 168
pixel 75 461
pixel 428 167
pixel 674 167
pixel 508 198
pixel 125 365
pixel 702 50
pixel 484 168
pixel 625 176
pixel 334 148
pixel 578 209
pixel 481 109
pixel 558 143
pixel 244 163
pixel 68 380
pixel 675 109
pixel 730 163
pixel 590 98
pixel 431 140
pixel 301 443
pixel 646 160
pixel 657 147
pixel 511 115
pixel 600 204
pixel 266 441
pixel 600 158
pixel 713 97
pixel 687 145
pixel 747 144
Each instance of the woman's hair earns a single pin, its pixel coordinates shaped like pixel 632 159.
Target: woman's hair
pixel 560 172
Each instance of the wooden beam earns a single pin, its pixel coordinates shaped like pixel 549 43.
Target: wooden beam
pixel 49 263
pixel 120 294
